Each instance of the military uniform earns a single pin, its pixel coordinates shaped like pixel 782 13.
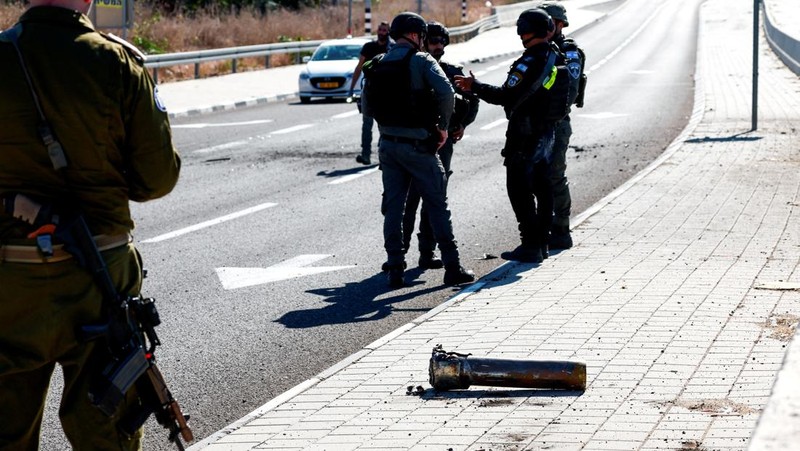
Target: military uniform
pixel 465 112
pixel 405 154
pixel 528 146
pixel 368 51
pixel 573 58
pixel 103 107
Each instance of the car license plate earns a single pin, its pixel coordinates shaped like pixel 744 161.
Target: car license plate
pixel 328 84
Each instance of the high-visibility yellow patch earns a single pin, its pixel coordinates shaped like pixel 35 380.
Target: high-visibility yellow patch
pixel 549 81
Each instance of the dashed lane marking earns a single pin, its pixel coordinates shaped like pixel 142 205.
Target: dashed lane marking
pixel 344 115
pixel 351 177
pixel 494 124
pixel 210 223
pixel 295 128
pixel 224 124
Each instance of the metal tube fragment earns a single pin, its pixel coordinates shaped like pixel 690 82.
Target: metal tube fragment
pixel 451 370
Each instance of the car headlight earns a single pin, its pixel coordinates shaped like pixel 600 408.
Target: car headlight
pixel 349 75
pixel 304 75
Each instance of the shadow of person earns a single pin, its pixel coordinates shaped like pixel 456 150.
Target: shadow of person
pixel 357 302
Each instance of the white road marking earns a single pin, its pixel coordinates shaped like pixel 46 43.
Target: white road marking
pixel 210 223
pixel 601 116
pixel 224 124
pixel 351 177
pixel 232 278
pixel 642 72
pixel 630 39
pixel 494 124
pixel 480 73
pixel 291 129
pixel 225 146
pixel 344 115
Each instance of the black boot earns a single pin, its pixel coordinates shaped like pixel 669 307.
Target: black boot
pixel 525 254
pixel 456 274
pixel 560 238
pixel 396 277
pixel 427 260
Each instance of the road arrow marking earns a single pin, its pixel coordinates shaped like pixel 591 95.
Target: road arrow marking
pixel 232 278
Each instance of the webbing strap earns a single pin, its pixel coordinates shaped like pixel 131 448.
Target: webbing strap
pixel 54 149
pixel 549 67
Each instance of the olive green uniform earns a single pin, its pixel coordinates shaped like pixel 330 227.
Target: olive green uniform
pixel 103 107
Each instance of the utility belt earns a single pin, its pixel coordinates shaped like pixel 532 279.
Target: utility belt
pixel 403 140
pixel 15 253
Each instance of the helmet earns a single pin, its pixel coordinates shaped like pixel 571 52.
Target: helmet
pixel 407 22
pixel 439 30
pixel 556 11
pixel 535 21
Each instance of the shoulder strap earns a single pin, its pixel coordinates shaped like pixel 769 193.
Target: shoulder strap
pixel 54 149
pixel 548 68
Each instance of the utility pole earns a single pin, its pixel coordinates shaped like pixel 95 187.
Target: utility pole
pixel 350 17
pixel 367 17
pixel 754 119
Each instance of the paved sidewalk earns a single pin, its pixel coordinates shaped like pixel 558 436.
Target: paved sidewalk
pixel 681 296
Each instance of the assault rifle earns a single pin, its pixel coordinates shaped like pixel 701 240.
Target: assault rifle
pixel 128 332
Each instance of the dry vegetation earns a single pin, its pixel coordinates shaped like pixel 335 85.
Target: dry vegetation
pixel 158 32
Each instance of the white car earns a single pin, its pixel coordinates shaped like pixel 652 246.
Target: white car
pixel 329 71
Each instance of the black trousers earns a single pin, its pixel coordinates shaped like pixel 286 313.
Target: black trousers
pixel 531 195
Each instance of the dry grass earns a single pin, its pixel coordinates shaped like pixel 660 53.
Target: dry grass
pixel 157 32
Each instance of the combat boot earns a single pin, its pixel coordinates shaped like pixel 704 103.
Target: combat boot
pixel 396 277
pixel 560 238
pixel 455 274
pixel 525 254
pixel 363 160
pixel 427 260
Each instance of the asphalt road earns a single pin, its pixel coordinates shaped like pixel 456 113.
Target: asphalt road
pixel 278 185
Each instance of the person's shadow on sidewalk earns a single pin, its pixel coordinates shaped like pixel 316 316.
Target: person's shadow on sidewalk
pixel 357 302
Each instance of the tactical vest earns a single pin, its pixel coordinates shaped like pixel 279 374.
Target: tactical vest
pixel 393 100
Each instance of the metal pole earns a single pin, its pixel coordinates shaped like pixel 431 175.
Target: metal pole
pixel 419 7
pixel 463 11
pixel 754 120
pixel 367 17
pixel 350 17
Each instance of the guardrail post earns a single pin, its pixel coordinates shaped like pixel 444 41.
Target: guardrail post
pixel 155 75
pixel 266 61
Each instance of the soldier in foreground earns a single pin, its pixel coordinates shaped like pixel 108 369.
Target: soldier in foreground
pixel 466 109
pixel 94 96
pixel 409 96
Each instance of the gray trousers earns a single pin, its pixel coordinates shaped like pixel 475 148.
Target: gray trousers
pixel 425 240
pixel 402 164
pixel 562 202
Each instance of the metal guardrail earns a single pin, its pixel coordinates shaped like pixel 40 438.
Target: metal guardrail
pixel 501 16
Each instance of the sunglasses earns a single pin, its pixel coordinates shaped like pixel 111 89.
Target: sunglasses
pixel 436 40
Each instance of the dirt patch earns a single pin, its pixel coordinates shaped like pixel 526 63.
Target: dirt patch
pixel 782 326
pixel 715 407
pixel 692 445
pixel 495 402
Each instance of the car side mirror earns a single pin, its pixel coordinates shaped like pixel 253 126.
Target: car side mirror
pixel 306 59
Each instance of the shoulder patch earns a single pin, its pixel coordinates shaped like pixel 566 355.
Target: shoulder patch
pixel 159 103
pixel 136 53
pixel 513 79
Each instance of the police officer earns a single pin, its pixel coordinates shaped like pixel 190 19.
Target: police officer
pixel 573 57
pixel 466 109
pixel 102 106
pixel 410 97
pixel 529 136
pixel 368 51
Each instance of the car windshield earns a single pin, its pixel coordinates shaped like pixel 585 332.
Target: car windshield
pixel 337 52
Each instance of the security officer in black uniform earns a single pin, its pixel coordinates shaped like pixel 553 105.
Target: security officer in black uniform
pixel 466 109
pixel 409 96
pixel 575 60
pixel 529 136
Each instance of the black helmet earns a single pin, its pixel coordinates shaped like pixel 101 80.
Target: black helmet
pixel 535 21
pixel 407 22
pixel 439 30
pixel 556 11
